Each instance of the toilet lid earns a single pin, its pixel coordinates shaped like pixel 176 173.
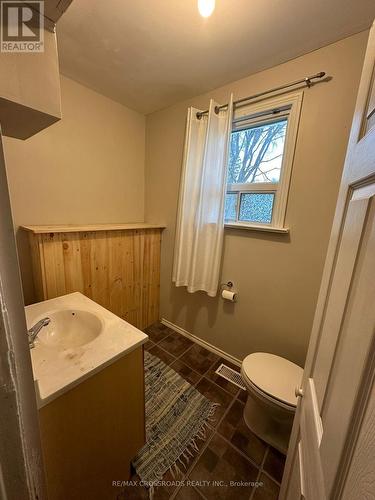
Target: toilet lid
pixel 273 375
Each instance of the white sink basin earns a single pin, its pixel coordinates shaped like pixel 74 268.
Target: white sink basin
pixel 81 339
pixel 70 328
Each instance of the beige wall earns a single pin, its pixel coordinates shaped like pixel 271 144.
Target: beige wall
pixel 277 276
pixel 88 168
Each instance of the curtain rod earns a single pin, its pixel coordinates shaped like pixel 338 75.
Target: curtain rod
pixel 307 81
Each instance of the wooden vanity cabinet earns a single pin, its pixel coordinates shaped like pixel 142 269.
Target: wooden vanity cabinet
pixel 91 433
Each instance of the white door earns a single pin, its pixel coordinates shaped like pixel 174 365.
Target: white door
pixel 332 448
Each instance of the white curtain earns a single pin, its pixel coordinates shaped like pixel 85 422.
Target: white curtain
pixel 200 220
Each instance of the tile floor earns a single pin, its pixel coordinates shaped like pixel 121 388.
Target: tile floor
pixel 231 451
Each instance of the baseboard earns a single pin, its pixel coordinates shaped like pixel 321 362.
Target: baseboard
pixel 201 342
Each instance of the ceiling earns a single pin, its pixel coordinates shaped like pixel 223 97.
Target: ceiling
pixel 149 54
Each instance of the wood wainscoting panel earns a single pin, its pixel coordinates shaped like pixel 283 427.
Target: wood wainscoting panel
pixel 118 269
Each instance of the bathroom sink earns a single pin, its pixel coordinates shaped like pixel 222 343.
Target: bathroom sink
pixel 81 339
pixel 70 328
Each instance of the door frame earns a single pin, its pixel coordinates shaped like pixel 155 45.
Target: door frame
pixel 21 464
pixel 350 179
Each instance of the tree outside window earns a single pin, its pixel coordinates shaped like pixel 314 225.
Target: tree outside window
pixel 256 153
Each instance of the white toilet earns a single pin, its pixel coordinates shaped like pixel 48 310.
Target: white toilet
pixel 271 382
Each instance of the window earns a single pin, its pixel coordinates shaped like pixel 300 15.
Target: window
pixel 260 163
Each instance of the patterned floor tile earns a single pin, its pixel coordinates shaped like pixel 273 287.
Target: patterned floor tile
pixel 163 355
pixel 242 396
pixel 149 345
pixel 268 491
pixel 274 464
pixel 188 493
pixel 199 358
pixel 221 462
pixel 158 332
pixel 176 344
pixel 234 428
pixel 201 444
pixel 186 372
pixel 216 394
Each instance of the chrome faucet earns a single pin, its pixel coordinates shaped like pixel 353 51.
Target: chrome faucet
pixel 34 330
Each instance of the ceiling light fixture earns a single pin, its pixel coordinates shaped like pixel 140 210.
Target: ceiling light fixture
pixel 206 7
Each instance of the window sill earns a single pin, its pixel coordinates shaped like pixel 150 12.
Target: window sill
pixel 256 227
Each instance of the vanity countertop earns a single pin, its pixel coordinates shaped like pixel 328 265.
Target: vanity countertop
pixel 59 365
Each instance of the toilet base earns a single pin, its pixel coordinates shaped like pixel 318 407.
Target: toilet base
pixel 269 422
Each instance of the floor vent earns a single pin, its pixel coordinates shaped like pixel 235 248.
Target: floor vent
pixel 231 375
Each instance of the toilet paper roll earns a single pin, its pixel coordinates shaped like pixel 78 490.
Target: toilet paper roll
pixel 229 295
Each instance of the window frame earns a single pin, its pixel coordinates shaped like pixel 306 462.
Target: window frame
pixel 290 106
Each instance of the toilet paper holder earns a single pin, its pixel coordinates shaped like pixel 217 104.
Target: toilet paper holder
pixel 227 291
pixel 228 284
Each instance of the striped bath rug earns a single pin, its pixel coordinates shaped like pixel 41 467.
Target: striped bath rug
pixel 176 416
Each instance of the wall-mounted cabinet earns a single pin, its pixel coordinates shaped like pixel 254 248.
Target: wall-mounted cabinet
pixel 54 9
pixel 30 99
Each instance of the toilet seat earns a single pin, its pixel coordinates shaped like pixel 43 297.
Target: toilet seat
pixel 273 377
pixel 270 400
